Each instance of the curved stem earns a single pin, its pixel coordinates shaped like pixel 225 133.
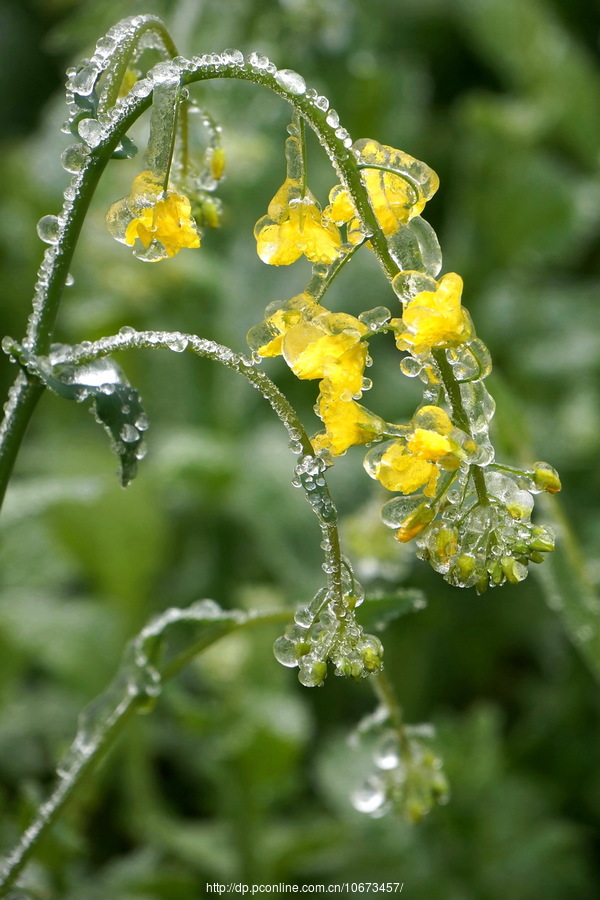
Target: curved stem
pixel 125 703
pixel 325 511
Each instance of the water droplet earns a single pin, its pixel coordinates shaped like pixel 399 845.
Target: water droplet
pixel 48 229
pixel 332 118
pixel 387 753
pixel 127 329
pixel 233 57
pixel 322 103
pixel 370 797
pixel 84 79
pixel 178 345
pixel 291 81
pixel 69 280
pixel 129 434
pixel 142 423
pixel 91 131
pixel 411 367
pixel 258 61
pixel 75 157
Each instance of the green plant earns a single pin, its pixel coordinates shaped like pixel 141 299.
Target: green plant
pixel 469 515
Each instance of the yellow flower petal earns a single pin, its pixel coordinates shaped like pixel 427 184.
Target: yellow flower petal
pixel 310 347
pixel 398 470
pixel 428 445
pixel 347 423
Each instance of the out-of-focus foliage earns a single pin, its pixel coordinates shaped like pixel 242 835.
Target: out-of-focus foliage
pixel 238 773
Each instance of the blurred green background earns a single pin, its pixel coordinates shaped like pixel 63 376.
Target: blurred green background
pixel 239 773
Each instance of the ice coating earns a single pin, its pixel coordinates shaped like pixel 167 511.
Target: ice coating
pixel 291 81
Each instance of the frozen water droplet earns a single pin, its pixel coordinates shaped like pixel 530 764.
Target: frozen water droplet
pixel 387 754
pixel 126 329
pixel 411 367
pixel 141 88
pixel 291 81
pixel 370 797
pixel 322 103
pixel 332 118
pixel 129 433
pixel 178 345
pixel 303 617
pixel 233 57
pixel 285 652
pixel 258 61
pixel 48 229
pixel 375 318
pixel 75 157
pixel 84 80
pixel 91 131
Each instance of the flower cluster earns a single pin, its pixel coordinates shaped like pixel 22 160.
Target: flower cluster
pixel 469 516
pixel 407 775
pixel 326 631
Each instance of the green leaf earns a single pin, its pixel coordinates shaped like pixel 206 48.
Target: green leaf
pixel 115 404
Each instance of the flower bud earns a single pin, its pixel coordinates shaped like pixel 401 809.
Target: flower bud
pixel 543 540
pixel 415 522
pixel 545 478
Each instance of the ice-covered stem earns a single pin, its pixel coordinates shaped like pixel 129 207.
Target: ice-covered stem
pixel 320 501
pixel 459 416
pixel 52 277
pixel 57 259
pixel 142 674
pixel 332 137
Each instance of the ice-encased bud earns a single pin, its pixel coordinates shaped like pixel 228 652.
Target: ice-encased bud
pixel 545 478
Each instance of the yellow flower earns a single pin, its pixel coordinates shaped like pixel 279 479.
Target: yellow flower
pixel 160 219
pixel 415 461
pixel 347 423
pixel 434 319
pixel 266 338
pixel 295 226
pixel 396 196
pixel 328 345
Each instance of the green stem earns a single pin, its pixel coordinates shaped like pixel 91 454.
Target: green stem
pixel 58 259
pixel 326 513
pixel 51 809
pixel 385 693
pixel 125 704
pixel 459 416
